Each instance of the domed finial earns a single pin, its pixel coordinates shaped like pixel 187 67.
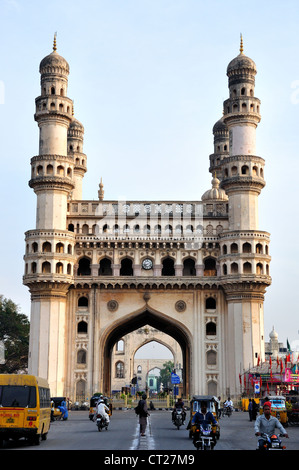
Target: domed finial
pixel 54 43
pixel 241 44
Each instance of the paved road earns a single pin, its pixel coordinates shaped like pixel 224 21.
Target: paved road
pixel 79 433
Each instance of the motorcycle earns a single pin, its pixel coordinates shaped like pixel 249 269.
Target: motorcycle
pixel 102 423
pixel 271 442
pixel 178 418
pixel 227 411
pixel 204 438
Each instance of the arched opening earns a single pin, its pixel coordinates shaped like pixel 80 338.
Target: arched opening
pixel 210 267
pixel 210 303
pixel 168 267
pixel 259 268
pixel 81 356
pixel 82 327
pixel 84 267
pixel 245 170
pixel 211 328
pixel 47 247
pixel 189 267
pixel 59 268
pixel 133 322
pixel 234 268
pixel 83 302
pixel 119 370
pixel 59 248
pixel 105 268
pixel 46 268
pixel 211 358
pixel 246 247
pixel 234 248
pixel 247 269
pixel 80 390
pixel 126 268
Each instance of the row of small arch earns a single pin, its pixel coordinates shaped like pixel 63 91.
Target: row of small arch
pixel 60 170
pixel 241 92
pixel 147 229
pixel 126 267
pixel 52 91
pixel 244 170
pixel 246 248
pixel 242 107
pixel 247 268
pixel 47 248
pixel 53 107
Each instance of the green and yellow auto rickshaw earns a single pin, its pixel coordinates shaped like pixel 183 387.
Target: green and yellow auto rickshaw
pixel 212 406
pixel 278 407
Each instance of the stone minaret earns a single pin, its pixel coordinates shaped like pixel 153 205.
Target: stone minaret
pixel 243 171
pixel 75 150
pixel 50 246
pixel 244 259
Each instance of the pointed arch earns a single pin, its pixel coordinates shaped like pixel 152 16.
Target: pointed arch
pixel 132 322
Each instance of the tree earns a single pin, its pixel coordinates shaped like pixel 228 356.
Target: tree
pixel 165 373
pixel 14 332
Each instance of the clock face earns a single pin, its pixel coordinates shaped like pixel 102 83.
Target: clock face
pixel 147 263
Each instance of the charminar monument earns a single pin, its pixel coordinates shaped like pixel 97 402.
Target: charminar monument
pixel 97 270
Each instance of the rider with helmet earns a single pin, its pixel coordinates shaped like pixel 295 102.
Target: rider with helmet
pixel 179 405
pixel 103 410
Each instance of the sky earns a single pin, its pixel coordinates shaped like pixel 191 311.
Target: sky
pixel 148 80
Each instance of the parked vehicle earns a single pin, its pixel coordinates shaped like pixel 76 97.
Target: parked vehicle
pixel 56 404
pixel 204 438
pixel 25 408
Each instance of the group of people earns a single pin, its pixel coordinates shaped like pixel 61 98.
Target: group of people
pixel 264 423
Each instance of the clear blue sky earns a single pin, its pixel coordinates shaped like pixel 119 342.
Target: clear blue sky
pixel 148 79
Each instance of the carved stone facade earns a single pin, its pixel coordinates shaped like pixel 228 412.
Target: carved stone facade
pixel 100 269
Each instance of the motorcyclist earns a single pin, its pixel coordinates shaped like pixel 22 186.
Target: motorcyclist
pixel 103 410
pixel 228 403
pixel 203 417
pixel 266 423
pixel 179 405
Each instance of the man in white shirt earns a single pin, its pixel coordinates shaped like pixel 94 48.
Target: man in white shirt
pixel 102 410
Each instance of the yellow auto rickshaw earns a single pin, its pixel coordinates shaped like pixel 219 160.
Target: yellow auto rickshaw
pixel 278 407
pixel 212 406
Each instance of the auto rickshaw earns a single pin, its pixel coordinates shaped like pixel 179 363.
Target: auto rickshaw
pixel 278 407
pixel 55 411
pixel 93 404
pixel 212 406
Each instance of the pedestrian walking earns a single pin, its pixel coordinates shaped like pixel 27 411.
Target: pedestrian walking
pixel 143 414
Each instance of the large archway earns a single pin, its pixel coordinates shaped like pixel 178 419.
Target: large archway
pixel 132 322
